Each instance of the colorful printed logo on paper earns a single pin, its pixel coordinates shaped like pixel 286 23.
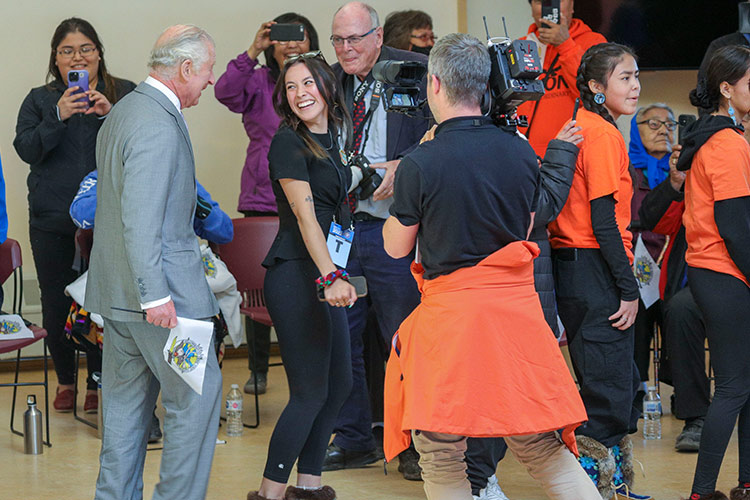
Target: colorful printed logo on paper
pixel 209 266
pixel 185 354
pixel 9 327
pixel 644 273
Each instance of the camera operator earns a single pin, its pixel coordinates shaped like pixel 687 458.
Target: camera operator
pixel 382 138
pixel 561 46
pixel 480 314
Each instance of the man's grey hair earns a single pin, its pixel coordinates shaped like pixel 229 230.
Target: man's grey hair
pixel 462 64
pixel 374 19
pixel 187 43
pixel 657 105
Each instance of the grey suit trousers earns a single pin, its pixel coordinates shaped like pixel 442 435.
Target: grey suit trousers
pixel 133 371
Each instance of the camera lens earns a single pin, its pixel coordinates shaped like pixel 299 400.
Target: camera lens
pixel 73 77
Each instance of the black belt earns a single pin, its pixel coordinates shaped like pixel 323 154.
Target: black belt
pixel 572 254
pixel 364 216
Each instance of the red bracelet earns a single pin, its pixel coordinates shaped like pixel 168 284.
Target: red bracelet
pixel 324 282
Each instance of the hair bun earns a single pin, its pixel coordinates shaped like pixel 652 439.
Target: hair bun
pixel 699 96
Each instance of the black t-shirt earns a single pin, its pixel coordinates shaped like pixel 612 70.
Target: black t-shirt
pixel 471 189
pixel 290 158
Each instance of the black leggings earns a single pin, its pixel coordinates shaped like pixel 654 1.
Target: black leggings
pixel 314 344
pixel 53 257
pixel 725 303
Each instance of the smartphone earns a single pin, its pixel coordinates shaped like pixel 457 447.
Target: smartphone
pixel 79 78
pixel 550 12
pixel 575 108
pixel 683 121
pixel 358 282
pixel 287 32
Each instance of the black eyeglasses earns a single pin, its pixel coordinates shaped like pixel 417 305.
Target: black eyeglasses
pixel 338 41
pixel 426 38
pixel 307 55
pixel 655 124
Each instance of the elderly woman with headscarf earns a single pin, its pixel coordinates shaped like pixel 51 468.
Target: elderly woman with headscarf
pixel 651 138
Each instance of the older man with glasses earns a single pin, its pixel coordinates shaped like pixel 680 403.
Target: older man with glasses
pixel 383 138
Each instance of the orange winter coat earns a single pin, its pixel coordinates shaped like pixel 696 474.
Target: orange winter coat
pixel 548 115
pixel 476 358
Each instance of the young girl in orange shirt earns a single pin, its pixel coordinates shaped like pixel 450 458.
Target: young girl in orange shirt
pixel 717 230
pixel 597 294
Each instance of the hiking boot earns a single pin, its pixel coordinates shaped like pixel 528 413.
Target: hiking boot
pixel 408 465
pixel 262 383
pixel 690 437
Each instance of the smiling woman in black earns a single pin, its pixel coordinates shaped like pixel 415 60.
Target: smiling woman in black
pixel 310 184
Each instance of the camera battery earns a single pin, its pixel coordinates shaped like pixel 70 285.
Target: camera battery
pixel 523 57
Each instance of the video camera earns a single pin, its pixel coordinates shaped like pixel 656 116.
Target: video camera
pixel 403 77
pixel 515 67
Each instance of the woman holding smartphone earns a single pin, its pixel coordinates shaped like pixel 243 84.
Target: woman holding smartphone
pixel 246 87
pixel 56 135
pixel 597 294
pixel 310 182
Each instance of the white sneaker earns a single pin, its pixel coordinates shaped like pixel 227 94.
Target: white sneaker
pixel 492 491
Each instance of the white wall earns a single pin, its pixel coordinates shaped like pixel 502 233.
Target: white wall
pixel 128 30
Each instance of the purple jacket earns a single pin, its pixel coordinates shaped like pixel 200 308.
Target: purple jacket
pixel 247 88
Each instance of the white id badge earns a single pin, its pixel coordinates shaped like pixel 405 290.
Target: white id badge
pixel 340 244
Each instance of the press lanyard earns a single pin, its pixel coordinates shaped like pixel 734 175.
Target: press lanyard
pixel 360 93
pixel 339 241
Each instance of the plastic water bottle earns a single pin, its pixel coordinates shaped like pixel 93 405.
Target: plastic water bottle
pixel 652 415
pixel 234 411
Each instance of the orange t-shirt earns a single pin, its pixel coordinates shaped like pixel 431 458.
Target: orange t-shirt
pixel 720 171
pixel 601 169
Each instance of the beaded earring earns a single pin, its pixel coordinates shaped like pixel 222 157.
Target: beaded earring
pixel 732 115
pixel 599 98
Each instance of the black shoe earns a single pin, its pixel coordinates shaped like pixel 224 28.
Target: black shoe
pixel 408 465
pixel 262 383
pixel 154 433
pixel 690 437
pixel 338 458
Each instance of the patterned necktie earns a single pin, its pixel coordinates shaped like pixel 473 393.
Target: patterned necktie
pixel 358 118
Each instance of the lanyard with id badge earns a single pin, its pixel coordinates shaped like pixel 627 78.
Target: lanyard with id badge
pixel 339 241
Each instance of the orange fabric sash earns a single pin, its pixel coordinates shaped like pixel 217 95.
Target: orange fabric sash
pixel 476 358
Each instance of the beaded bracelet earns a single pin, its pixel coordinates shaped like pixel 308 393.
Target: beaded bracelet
pixel 324 282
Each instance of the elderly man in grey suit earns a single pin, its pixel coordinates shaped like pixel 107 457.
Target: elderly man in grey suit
pixel 146 258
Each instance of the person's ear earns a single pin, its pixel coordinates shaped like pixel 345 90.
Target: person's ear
pixel 725 89
pixel 436 84
pixel 596 87
pixel 186 69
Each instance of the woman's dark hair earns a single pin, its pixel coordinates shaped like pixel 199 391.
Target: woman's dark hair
pixel 312 35
pixel 77 25
pixel 597 64
pixel 399 25
pixel 728 64
pixel 331 91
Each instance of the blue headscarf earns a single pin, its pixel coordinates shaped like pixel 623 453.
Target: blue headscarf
pixel 655 170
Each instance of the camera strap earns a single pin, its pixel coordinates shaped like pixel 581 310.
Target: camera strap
pixel 366 123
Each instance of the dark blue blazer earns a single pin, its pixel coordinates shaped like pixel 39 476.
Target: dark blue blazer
pixel 403 132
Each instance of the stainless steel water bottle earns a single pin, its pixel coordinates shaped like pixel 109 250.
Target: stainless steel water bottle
pixel 32 428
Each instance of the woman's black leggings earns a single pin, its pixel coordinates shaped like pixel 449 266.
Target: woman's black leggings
pixel 314 344
pixel 53 256
pixel 725 303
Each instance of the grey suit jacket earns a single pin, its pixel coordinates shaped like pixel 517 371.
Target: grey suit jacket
pixel 144 244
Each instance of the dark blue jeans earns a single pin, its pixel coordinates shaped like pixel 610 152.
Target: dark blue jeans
pixel 394 295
